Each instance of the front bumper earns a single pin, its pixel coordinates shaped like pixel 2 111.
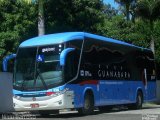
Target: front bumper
pixel 63 101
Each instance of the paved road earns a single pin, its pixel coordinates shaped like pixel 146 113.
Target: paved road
pixel 149 112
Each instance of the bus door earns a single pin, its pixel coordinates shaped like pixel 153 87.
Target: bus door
pixel 146 64
pixel 149 82
pixel 144 79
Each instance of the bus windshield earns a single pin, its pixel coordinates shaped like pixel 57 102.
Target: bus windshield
pixel 38 68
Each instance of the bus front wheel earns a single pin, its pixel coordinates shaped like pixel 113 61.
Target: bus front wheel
pixel 88 107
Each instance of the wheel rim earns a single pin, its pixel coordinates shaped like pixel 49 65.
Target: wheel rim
pixel 87 103
pixel 139 101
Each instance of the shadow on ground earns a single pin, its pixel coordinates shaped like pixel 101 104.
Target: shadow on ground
pixel 67 114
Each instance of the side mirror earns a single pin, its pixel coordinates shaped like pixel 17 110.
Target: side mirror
pixel 64 54
pixel 5 61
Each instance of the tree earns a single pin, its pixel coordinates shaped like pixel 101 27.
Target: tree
pixel 149 10
pixel 74 15
pixel 127 31
pixel 17 23
pixel 127 4
pixel 109 11
pixel 41 23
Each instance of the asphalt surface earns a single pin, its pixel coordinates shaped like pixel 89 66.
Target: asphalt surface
pixel 149 112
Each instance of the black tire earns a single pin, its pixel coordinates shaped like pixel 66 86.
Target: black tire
pixel 105 108
pixel 88 107
pixel 139 102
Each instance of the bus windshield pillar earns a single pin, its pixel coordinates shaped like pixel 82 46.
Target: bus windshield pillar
pixel 64 54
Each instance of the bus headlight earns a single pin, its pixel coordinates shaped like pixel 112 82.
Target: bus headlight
pixel 16 97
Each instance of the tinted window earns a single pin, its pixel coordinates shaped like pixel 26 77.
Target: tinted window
pixel 72 59
pixel 103 60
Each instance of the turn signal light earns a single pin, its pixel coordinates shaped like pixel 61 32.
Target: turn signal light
pixel 50 93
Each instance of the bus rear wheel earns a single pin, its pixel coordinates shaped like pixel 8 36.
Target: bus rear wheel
pixel 139 102
pixel 88 107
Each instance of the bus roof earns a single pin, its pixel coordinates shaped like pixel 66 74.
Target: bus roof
pixel 68 36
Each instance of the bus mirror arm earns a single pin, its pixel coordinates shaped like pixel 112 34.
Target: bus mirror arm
pixel 64 54
pixel 5 61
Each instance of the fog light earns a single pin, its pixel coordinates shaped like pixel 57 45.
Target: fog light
pixel 60 102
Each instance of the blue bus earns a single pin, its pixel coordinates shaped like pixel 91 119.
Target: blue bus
pixel 81 71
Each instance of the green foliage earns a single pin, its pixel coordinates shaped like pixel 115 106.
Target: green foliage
pixel 17 23
pixel 127 5
pixel 148 9
pixel 73 15
pixel 137 33
pixel 109 11
pixel 157 40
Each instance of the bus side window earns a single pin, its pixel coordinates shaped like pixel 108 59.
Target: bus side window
pixel 71 65
pixel 145 62
pixel 140 60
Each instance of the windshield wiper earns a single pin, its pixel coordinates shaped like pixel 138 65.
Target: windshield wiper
pixel 26 77
pixel 41 78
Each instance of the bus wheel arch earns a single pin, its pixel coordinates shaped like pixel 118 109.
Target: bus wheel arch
pixel 138 100
pixel 88 103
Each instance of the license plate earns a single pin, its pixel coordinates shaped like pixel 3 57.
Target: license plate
pixel 34 105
